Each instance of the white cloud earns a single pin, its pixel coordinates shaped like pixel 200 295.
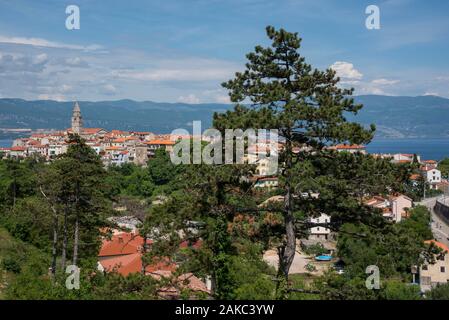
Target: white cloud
pixel 40 58
pixel 191 98
pixel 108 89
pixel 350 82
pixel 215 95
pixel 15 63
pixel 182 70
pixel 57 97
pixel 431 93
pixel 372 90
pixel 376 86
pixel 65 88
pixel 76 62
pixel 346 71
pixel 175 74
pixel 39 42
pixel 384 82
pixel 222 99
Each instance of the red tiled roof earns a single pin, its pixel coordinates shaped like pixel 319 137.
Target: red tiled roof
pixel 114 148
pixel 398 195
pixel 141 133
pixel 374 201
pixel 427 168
pixel 39 146
pixel 438 244
pixel 186 280
pixel 117 132
pixel 349 146
pixel 123 253
pixel 132 263
pixel 38 135
pixel 161 142
pixel 18 149
pixel 195 245
pixel 121 244
pixel 263 178
pixel 92 130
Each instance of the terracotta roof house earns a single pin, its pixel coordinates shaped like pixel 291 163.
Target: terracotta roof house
pixel 430 275
pixel 184 281
pixel 161 142
pixel 123 254
pixel 351 148
pixel 394 207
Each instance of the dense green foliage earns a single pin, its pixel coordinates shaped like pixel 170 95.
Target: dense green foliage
pixel 443 166
pixel 394 252
pixel 440 292
pixel 279 90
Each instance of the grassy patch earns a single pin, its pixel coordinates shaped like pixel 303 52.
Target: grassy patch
pixel 14 256
pixel 303 281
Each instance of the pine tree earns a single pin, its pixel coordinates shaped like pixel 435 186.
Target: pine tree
pixel 73 185
pixel 279 90
pixel 200 213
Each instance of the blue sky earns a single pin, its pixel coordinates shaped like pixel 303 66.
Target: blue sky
pixel 182 50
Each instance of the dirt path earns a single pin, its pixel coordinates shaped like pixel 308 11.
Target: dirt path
pixel 299 262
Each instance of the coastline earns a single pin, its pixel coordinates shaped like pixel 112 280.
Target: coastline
pixel 429 148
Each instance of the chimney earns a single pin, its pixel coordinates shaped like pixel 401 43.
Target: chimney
pixel 209 283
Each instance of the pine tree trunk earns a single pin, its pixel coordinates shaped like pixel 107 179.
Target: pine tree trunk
pixel 77 226
pixel 76 242
pixel 144 251
pixel 54 244
pixel 14 192
pixel 287 254
pixel 55 234
pixel 64 240
pixel 213 284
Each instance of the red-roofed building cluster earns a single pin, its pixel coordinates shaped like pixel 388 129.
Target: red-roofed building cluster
pixel 115 147
pixel 122 253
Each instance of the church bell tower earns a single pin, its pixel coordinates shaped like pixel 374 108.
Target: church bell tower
pixel 77 120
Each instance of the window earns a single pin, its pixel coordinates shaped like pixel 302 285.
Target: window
pixel 425 281
pixel 424 267
pixel 443 269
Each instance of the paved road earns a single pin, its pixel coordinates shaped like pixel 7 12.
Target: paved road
pixel 440 229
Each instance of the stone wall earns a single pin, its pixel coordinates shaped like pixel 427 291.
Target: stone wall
pixel 442 210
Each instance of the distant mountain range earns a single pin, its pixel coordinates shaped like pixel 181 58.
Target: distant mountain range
pixel 395 117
